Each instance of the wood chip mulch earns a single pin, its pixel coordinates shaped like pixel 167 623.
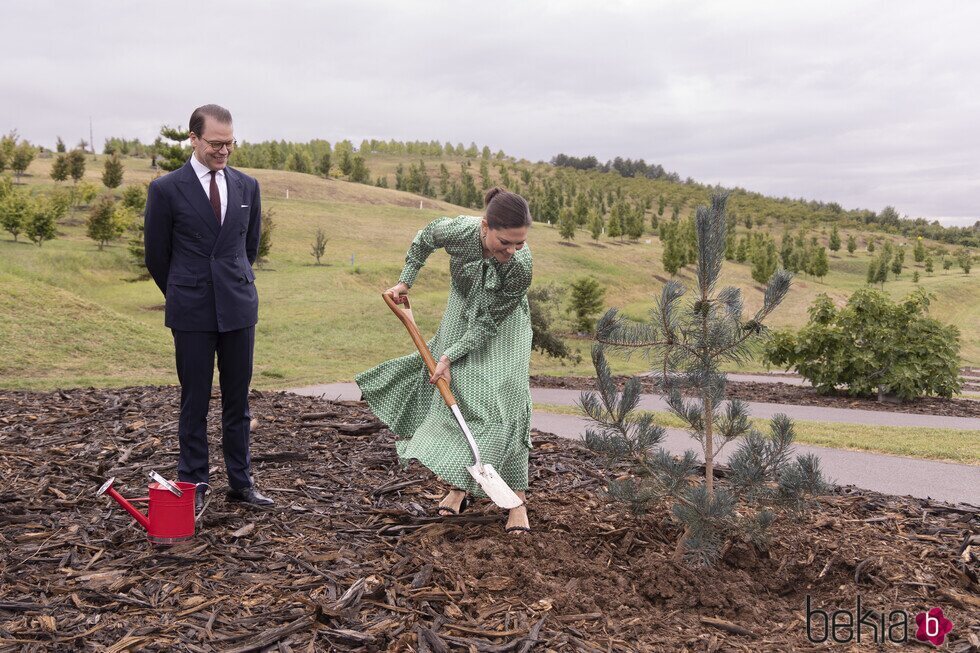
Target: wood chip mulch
pixel 355 558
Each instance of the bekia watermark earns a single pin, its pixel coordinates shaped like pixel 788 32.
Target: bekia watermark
pixel 865 624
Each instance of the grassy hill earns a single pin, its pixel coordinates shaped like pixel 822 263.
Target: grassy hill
pixel 72 315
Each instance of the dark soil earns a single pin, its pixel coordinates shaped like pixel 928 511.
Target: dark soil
pixel 354 557
pixel 785 393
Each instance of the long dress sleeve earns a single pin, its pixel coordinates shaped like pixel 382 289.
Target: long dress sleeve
pixel 440 233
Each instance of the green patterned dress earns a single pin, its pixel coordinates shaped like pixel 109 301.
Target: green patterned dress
pixel 486 333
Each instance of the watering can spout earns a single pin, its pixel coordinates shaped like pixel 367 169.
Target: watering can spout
pixel 111 491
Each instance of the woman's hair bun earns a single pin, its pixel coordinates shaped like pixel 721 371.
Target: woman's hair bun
pixel 492 193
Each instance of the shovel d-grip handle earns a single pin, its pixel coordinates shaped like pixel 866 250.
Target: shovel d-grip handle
pixel 441 384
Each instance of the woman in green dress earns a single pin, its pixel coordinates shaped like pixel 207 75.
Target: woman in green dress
pixel 483 349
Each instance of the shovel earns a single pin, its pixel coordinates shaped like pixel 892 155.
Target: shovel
pixel 487 477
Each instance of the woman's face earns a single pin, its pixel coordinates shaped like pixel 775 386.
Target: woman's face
pixel 503 243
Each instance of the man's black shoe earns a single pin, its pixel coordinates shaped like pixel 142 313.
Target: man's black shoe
pixel 199 493
pixel 250 496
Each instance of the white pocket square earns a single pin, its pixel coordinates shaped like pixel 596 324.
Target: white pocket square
pixel 244 206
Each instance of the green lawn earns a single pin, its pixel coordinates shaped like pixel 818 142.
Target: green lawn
pixel 950 445
pixel 73 315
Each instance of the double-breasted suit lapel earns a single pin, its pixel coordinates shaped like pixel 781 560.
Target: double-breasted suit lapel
pixel 190 187
pixel 234 213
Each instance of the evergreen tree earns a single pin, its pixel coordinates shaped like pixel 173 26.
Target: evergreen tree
pixel 915 277
pixel 300 162
pixel 786 250
pixel 661 205
pixel 443 180
pixel 673 260
pixel 586 302
pixel 359 173
pixel 919 253
pixel 323 165
pixel 346 163
pixel 898 262
pixel 834 239
pixel 566 224
pixel 821 266
pixel 634 223
pixel 60 168
pixel 485 174
pixel 742 250
pixel 265 235
pixel 929 264
pixel 595 224
pixel 470 195
pixel 172 155
pixel 871 246
pixel 76 165
pixel 688 347
pixel 765 260
pixel 615 229
pixel 580 207
pixel 965 260
pixel 851 244
pixel 319 245
pixel 112 172
pixel 60 146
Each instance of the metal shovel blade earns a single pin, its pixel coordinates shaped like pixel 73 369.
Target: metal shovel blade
pixel 495 487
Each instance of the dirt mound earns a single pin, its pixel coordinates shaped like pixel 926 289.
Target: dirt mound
pixel 355 558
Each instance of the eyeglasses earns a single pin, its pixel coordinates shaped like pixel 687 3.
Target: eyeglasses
pixel 217 145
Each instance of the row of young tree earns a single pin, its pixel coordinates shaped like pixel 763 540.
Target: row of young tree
pixel 891 258
pixel 555 186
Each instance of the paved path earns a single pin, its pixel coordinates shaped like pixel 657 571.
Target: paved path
pixel 563 397
pixel 880 472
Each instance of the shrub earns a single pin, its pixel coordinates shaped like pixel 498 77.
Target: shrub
pixel 872 344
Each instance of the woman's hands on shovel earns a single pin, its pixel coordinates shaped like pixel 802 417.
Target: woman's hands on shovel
pixel 442 370
pixel 400 290
pixel 397 291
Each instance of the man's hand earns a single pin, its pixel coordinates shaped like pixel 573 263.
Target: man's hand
pixel 397 291
pixel 442 371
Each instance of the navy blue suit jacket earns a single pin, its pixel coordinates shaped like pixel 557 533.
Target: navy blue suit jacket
pixel 203 269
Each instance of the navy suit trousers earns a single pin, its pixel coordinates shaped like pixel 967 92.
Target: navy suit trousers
pixel 195 352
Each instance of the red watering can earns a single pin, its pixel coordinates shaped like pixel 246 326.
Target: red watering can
pixel 170 516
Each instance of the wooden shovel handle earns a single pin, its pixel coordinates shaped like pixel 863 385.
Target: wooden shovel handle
pixel 441 384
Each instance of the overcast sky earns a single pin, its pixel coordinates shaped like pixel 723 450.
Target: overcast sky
pixel 864 103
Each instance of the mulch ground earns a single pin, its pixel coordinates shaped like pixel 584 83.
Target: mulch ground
pixel 354 557
pixel 785 393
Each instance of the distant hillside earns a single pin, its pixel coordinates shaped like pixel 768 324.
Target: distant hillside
pixel 73 315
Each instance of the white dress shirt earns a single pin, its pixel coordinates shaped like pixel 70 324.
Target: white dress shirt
pixel 204 176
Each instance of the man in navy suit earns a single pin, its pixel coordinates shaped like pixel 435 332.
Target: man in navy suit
pixel 201 238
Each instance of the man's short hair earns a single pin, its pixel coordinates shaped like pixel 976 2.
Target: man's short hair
pixel 218 113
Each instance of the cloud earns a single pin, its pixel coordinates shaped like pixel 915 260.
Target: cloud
pixel 864 103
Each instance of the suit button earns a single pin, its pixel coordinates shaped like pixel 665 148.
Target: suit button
pixel 198 236
pixel 209 282
pixel 241 278
pixel 212 258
